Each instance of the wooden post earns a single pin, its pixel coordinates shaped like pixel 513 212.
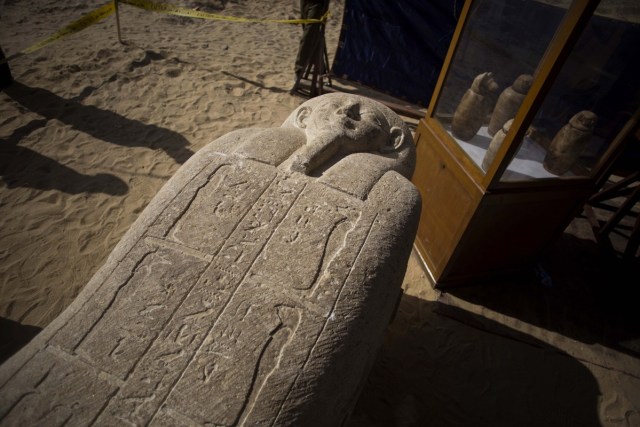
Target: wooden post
pixel 115 5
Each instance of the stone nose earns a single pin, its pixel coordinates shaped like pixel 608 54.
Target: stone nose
pixel 351 110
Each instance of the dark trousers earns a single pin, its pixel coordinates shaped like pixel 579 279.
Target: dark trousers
pixel 5 73
pixel 311 33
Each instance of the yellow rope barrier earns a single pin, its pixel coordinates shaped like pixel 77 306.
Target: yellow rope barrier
pixel 106 10
pixel 89 19
pixel 181 11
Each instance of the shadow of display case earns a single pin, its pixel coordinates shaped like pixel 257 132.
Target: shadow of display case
pixel 532 106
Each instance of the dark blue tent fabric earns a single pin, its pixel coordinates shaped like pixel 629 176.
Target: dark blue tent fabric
pixel 396 46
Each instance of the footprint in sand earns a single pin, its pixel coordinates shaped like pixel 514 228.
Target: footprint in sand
pixel 237 91
pixel 227 109
pixel 149 56
pixel 103 54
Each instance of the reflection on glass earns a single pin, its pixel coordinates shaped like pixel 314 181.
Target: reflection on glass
pixel 492 71
pixel 592 98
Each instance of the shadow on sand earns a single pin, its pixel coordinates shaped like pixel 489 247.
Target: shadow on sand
pixel 589 296
pixel 14 336
pixel 255 83
pixel 434 370
pixel 23 167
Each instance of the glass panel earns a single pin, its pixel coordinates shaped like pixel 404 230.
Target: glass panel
pixel 500 47
pixel 594 95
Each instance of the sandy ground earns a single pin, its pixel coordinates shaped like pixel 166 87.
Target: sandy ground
pixel 92 129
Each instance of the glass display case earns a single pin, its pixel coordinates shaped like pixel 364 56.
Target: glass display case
pixel 534 102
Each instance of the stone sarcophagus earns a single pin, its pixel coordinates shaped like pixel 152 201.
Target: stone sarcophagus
pixel 253 290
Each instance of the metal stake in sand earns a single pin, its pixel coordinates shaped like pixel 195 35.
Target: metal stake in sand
pixel 115 6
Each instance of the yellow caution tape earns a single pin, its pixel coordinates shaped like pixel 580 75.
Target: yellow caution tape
pixel 79 25
pixel 106 10
pixel 181 11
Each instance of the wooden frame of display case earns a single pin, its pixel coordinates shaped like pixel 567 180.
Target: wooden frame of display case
pixel 457 238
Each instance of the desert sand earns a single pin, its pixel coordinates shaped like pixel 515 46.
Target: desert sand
pixel 92 129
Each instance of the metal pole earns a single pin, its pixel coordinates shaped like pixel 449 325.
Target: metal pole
pixel 115 5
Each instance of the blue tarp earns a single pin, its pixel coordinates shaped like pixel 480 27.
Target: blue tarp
pixel 396 46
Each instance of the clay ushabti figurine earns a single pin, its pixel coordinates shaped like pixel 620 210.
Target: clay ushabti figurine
pixel 509 102
pixel 254 289
pixel 473 107
pixel 566 146
pixel 495 144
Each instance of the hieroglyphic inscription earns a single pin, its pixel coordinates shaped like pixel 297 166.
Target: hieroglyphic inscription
pixel 246 290
pixel 135 312
pixel 362 309
pixel 25 383
pixel 197 188
pixel 243 370
pixel 53 392
pixel 228 343
pixel 333 342
pixel 236 360
pixel 77 328
pixel 169 355
pixel 140 310
pixel 174 209
pixel 168 418
pixel 242 353
pixel 331 233
pixel 316 228
pixel 205 220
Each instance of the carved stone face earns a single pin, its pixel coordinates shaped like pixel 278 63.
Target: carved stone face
pixel 337 125
pixel 357 124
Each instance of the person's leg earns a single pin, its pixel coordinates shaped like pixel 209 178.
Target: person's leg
pixel 5 73
pixel 311 34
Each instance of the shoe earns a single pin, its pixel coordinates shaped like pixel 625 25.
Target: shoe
pixel 296 85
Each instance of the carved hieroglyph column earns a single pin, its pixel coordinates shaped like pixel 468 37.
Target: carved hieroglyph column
pixel 253 290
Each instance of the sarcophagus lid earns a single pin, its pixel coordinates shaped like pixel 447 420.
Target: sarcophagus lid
pixel 254 289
